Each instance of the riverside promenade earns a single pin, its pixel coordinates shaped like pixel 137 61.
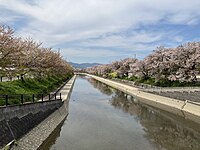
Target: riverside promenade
pixel 186 109
pixel 191 94
pixel 35 138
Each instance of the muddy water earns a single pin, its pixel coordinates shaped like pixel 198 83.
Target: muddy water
pixel 102 118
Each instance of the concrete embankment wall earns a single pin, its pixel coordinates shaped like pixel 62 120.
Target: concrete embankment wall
pixel 19 111
pixel 15 121
pixel 31 124
pixel 183 108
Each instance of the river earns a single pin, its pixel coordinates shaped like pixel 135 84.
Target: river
pixel 103 118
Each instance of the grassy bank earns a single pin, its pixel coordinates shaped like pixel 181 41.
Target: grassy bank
pixel 28 87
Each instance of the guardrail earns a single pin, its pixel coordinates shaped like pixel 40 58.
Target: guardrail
pixel 16 99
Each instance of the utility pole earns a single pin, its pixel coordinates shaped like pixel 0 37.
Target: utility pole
pixel 58 50
pixel 135 56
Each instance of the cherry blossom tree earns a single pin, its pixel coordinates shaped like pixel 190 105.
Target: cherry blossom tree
pixel 175 64
pixel 19 57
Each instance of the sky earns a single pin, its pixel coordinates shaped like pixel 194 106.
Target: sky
pixel 102 31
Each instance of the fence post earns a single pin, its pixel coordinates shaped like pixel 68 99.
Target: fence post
pixel 60 95
pixel 6 100
pixel 33 98
pixel 42 97
pixel 1 79
pixel 55 96
pixel 49 97
pixel 22 98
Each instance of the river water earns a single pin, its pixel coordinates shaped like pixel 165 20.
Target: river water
pixel 102 118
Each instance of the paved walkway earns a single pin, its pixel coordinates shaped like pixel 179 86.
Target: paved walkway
pixel 147 87
pixel 191 94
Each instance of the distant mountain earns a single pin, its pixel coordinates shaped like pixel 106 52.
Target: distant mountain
pixel 83 65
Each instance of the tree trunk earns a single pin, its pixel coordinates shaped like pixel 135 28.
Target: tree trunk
pixel 22 78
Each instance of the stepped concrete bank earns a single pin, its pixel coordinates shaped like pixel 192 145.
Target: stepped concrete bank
pixel 185 109
pixel 31 124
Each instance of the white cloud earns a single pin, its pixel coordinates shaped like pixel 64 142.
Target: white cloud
pixel 133 41
pixel 56 22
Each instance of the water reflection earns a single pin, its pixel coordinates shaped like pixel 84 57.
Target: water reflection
pixel 164 130
pixel 103 88
pixel 112 120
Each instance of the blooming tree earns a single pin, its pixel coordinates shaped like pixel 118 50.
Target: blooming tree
pixel 176 64
pixel 19 57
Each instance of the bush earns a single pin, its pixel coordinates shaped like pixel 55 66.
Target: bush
pixel 113 75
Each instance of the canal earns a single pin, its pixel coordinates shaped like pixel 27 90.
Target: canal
pixel 102 118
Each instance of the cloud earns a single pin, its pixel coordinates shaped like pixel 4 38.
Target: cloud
pixel 83 24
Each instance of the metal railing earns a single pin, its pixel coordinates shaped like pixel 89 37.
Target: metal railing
pixel 16 99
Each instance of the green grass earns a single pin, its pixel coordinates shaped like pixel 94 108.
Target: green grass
pixel 112 75
pixel 29 87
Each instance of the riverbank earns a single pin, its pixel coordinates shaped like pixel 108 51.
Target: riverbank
pixel 35 138
pixel 183 108
pixel 180 93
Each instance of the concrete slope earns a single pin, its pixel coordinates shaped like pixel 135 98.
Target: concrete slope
pixel 186 109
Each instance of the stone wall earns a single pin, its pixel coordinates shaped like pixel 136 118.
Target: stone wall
pixel 16 121
pixel 8 112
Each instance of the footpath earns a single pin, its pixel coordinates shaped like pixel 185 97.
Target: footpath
pixel 182 108
pixel 37 136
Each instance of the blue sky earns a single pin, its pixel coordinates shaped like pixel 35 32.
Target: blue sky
pixel 104 30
